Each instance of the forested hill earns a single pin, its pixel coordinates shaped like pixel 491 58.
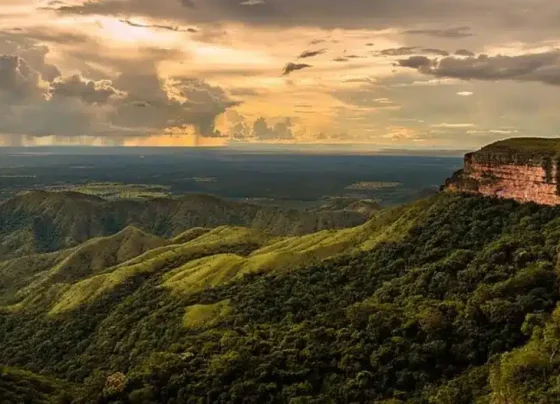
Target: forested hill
pixel 449 300
pixel 40 221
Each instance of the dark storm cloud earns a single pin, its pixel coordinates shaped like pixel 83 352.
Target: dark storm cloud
pixel 292 67
pixel 441 19
pixel 324 13
pixel 310 54
pixel 457 32
pixel 136 104
pixel 541 67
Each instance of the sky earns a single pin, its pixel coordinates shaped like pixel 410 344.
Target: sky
pixel 446 74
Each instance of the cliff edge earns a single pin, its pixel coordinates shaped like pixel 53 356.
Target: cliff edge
pixel 524 169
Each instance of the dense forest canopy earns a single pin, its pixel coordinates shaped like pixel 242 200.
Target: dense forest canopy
pixel 448 300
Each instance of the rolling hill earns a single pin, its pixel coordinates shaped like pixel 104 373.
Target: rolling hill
pixel 451 299
pixel 38 222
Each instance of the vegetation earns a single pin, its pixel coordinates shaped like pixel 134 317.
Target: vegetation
pixel 18 386
pixel 287 179
pixel 523 150
pixel 114 190
pixel 450 300
pixel 39 222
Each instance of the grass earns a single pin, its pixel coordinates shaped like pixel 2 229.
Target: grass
pixel 18 273
pixel 115 190
pixel 19 386
pixel 527 144
pixel 205 315
pixel 203 273
pixel 100 253
pixel 159 260
pixel 524 150
pixel 220 256
pixel 190 235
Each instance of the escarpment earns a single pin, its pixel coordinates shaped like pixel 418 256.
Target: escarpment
pixel 524 169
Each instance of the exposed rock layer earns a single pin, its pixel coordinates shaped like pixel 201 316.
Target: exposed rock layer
pixel 507 170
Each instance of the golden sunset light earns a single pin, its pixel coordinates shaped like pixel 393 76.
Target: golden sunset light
pixel 158 68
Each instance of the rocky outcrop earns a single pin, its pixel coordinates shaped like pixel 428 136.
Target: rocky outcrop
pixel 524 169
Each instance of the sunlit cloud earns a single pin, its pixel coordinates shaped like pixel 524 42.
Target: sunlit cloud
pixel 367 72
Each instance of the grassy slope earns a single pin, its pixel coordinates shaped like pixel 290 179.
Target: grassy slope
pixel 211 244
pixel 487 291
pixel 199 315
pixel 39 222
pixel 19 386
pixel 30 279
pixel 520 151
pixel 209 258
pixel 526 144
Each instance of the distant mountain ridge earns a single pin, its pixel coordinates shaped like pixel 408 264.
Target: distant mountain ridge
pixel 39 221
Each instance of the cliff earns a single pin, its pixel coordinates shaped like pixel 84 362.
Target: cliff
pixel 524 169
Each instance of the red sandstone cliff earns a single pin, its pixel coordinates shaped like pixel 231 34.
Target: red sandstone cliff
pixel 523 169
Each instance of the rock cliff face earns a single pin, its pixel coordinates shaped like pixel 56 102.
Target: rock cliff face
pixel 524 169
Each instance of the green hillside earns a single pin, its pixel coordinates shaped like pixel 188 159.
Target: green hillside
pixel 18 386
pixel 452 299
pixel 522 151
pixel 39 222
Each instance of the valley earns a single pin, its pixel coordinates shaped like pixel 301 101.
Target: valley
pixel 451 298
pixel 264 178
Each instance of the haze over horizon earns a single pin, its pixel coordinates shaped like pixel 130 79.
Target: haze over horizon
pixel 407 74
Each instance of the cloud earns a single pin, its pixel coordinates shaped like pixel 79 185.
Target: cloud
pixel 19 81
pixel 328 14
pixel 159 26
pixel 464 52
pixel 415 62
pixel 33 54
pixel 364 97
pixel 465 93
pixel 186 3
pixel 402 51
pixel 252 2
pixel 453 125
pixel 138 103
pixel 309 54
pixel 503 131
pixel 434 51
pixel 292 67
pixel 538 67
pixel 89 91
pixel 456 32
pixel 280 131
pixel 175 103
pixel 412 50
